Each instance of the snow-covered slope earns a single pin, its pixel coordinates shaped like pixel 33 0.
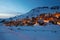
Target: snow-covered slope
pixel 48 32
pixel 39 10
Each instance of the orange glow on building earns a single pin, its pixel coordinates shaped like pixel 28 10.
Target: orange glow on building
pixel 58 23
pixel 56 15
pixel 46 21
pixel 34 21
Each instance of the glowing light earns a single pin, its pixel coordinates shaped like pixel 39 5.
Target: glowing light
pixel 46 20
pixel 58 23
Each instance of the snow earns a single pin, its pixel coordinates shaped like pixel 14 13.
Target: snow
pixel 48 32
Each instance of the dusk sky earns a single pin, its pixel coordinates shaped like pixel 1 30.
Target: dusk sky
pixel 24 6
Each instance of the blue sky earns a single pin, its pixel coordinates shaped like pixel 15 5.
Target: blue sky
pixel 24 6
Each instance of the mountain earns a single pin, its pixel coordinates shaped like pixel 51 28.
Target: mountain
pixel 39 10
pixel 37 32
pixel 35 12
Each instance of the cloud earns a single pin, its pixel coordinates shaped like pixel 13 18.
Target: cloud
pixel 6 15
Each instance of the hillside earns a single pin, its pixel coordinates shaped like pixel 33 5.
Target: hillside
pixel 42 23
